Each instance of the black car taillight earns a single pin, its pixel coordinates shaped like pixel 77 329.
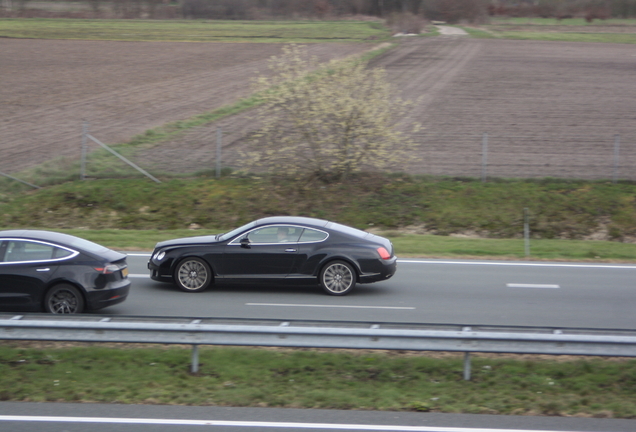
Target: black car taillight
pixel 384 254
pixel 109 269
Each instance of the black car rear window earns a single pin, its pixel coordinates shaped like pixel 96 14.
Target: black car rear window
pixel 348 230
pixel 85 245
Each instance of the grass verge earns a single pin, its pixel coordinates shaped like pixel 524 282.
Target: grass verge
pixel 319 379
pixel 566 30
pixel 558 209
pixel 406 245
pixel 467 217
pixel 194 30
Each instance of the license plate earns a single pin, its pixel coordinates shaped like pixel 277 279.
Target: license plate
pixel 124 272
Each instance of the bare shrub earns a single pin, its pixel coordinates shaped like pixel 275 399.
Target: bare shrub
pixel 328 125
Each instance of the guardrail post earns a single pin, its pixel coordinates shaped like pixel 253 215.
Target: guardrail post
pixel 195 359
pixel 466 366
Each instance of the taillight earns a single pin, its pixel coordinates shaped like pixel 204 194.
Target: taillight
pixel 384 254
pixel 109 269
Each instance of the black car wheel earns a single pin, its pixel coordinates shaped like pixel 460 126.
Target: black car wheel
pixel 337 278
pixel 64 299
pixel 193 275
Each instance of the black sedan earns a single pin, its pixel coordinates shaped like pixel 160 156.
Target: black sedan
pixel 59 273
pixel 295 249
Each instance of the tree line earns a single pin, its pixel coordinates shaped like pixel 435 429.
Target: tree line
pixel 451 11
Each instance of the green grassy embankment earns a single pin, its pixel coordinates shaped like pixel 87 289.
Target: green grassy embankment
pixel 194 30
pixel 469 218
pixel 550 29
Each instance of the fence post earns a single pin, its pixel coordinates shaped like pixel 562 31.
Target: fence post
pixel 84 141
pixel 617 147
pixel 484 157
pixel 526 231
pixel 219 140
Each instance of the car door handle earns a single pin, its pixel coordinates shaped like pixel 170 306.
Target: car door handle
pixel 290 250
pixel 43 269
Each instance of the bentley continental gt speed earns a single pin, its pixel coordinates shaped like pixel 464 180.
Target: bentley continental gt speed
pixel 293 249
pixel 59 273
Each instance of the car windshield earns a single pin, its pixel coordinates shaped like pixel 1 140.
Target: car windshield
pixel 237 231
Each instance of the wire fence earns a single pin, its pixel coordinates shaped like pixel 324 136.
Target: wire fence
pixel 610 156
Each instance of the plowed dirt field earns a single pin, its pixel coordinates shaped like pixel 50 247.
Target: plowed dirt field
pixel 122 88
pixel 548 108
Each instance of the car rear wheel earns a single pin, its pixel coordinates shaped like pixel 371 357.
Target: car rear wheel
pixel 193 275
pixel 64 299
pixel 337 278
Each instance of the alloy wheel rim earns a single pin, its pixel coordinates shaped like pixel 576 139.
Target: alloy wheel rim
pixel 63 302
pixel 338 278
pixel 193 275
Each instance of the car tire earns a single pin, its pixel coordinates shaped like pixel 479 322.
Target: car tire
pixel 337 278
pixel 193 275
pixel 64 299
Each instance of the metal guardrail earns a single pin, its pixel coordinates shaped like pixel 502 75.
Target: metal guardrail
pixel 319 334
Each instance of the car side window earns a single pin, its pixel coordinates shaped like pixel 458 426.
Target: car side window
pixel 3 248
pixel 310 235
pixel 21 251
pixel 275 234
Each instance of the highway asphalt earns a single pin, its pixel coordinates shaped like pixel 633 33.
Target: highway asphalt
pixel 57 417
pixel 581 295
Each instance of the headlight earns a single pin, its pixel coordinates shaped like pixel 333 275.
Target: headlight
pixel 160 255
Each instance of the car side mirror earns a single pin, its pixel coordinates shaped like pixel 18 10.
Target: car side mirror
pixel 245 243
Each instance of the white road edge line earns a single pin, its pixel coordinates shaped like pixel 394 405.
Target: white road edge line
pixel 518 285
pixel 255 424
pixel 493 263
pixel 512 263
pixel 328 306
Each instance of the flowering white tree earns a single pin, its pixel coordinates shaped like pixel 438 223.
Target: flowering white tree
pixel 326 121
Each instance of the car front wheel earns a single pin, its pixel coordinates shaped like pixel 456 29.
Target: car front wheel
pixel 193 275
pixel 337 278
pixel 64 299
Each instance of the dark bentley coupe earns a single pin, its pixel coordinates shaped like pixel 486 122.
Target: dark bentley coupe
pixel 59 273
pixel 295 249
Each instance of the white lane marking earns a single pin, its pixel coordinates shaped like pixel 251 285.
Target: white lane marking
pixel 493 263
pixel 328 306
pixel 518 285
pixel 132 275
pixel 513 263
pixel 255 424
